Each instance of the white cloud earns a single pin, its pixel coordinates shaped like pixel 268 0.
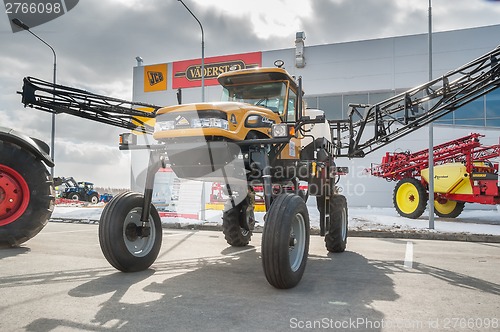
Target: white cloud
pixel 268 18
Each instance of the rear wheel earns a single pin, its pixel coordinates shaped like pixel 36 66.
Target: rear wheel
pixel 410 198
pixel 447 208
pixel 26 195
pixel 336 238
pixel 126 244
pixel 238 223
pixel 285 241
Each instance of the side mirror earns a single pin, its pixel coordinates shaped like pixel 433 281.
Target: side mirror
pixel 298 115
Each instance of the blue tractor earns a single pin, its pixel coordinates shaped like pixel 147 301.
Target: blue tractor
pixel 78 191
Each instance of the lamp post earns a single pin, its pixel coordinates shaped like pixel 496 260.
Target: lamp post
pixel 431 131
pixel 202 52
pixel 22 25
pixel 202 216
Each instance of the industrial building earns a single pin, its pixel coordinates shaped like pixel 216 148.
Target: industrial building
pixel 335 75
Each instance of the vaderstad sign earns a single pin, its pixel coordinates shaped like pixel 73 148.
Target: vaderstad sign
pixel 212 70
pixel 187 74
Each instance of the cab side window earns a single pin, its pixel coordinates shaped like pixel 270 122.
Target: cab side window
pixel 291 108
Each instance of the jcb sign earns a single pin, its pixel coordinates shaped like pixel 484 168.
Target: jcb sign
pixel 187 74
pixel 155 77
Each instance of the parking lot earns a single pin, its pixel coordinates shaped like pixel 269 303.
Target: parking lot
pixel 60 281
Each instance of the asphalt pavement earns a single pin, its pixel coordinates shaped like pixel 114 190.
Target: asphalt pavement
pixel 60 281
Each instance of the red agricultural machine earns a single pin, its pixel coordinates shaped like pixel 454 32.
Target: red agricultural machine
pixel 463 173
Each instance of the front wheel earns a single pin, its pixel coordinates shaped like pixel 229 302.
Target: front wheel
pixel 125 242
pixel 285 241
pixel 94 198
pixel 410 198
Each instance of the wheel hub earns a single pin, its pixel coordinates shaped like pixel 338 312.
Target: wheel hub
pixel 133 231
pixel 14 195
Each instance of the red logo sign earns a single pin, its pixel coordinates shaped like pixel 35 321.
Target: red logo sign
pixel 187 74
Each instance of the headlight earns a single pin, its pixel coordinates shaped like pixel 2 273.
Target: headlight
pixel 164 125
pixel 279 130
pixel 209 123
pixel 183 123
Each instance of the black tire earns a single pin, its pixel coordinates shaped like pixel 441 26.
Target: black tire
pixel 448 208
pixel 410 198
pixel 285 241
pixel 75 197
pixel 94 198
pixel 303 195
pixel 238 223
pixel 26 195
pixel 122 247
pixel 336 237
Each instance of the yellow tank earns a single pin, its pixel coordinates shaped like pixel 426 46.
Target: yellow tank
pixel 449 178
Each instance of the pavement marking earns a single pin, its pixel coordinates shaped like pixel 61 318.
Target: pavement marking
pixel 176 234
pixel 409 255
pixel 61 232
pixel 243 251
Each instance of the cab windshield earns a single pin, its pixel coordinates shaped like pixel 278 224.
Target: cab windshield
pixel 269 95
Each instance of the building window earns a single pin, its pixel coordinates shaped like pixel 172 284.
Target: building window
pixel 492 101
pixel 484 111
pixel 332 106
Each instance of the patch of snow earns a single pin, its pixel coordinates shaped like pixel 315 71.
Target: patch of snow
pixel 366 219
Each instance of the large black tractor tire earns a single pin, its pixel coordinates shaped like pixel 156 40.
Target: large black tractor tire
pixel 410 198
pixel 448 209
pixel 120 242
pixel 238 223
pixel 336 237
pixel 26 195
pixel 285 241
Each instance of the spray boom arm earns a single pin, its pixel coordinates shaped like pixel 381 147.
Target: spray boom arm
pixel 400 115
pixel 57 99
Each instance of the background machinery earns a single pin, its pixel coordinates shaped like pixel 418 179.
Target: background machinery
pixel 77 191
pixel 463 173
pixel 260 135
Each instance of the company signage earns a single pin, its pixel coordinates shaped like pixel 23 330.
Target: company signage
pixel 187 74
pixel 155 77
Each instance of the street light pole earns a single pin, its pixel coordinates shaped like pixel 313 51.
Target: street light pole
pixel 22 25
pixel 202 52
pixel 431 131
pixel 203 194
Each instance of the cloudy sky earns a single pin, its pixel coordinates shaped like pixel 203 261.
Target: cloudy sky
pixel 97 42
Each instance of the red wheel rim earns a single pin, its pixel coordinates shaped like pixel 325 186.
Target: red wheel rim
pixel 14 195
